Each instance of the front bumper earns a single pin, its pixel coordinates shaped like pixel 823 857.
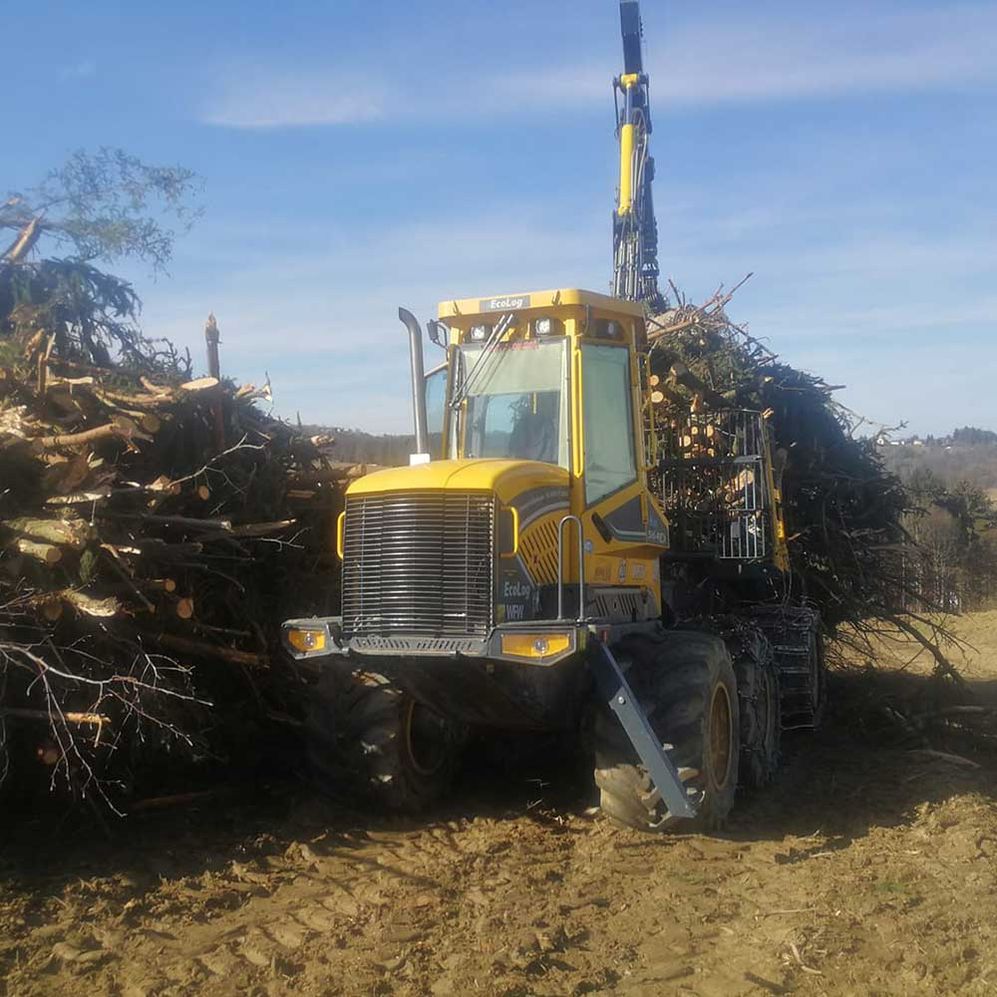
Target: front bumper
pixel 542 643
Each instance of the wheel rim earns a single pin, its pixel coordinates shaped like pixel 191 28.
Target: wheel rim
pixel 721 740
pixel 424 738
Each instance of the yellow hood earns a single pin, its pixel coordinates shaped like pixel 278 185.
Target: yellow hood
pixel 505 478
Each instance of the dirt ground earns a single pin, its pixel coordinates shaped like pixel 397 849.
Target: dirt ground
pixel 870 868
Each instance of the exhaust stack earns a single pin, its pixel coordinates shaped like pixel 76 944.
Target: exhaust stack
pixel 421 456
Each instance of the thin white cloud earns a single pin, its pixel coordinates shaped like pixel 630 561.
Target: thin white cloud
pixel 335 350
pixel 291 99
pixel 342 299
pixel 750 60
pixel 931 389
pixel 882 290
pixel 744 60
pixel 892 323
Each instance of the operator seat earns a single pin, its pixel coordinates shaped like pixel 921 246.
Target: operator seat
pixel 534 437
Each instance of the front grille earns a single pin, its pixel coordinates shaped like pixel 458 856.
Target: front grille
pixel 418 563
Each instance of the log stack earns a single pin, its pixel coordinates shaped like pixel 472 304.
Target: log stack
pixel 849 550
pixel 154 532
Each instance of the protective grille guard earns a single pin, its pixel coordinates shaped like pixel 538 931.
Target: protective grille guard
pixel 615 690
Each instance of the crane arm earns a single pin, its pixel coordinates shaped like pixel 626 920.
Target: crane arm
pixel 635 231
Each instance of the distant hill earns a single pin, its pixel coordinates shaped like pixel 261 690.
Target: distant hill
pixel 968 454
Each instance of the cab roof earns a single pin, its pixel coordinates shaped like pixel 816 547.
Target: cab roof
pixel 538 301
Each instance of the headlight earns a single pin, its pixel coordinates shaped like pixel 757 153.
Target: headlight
pixel 607 328
pixel 306 640
pixel 548 326
pixel 479 333
pixel 536 646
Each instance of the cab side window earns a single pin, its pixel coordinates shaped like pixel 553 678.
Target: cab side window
pixel 610 462
pixel 436 403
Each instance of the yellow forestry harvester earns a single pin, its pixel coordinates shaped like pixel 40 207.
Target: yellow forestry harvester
pixel 519 574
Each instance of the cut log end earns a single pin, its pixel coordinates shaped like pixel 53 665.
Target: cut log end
pixel 42 552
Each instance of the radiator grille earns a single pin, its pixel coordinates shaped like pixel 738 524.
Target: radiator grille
pixel 418 563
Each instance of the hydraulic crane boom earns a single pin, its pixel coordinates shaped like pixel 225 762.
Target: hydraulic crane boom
pixel 635 231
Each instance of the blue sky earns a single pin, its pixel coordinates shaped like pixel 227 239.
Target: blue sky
pixel 361 155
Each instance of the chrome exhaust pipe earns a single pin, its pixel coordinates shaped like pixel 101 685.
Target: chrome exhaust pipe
pixel 418 385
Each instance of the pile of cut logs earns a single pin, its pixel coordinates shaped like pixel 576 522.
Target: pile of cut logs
pixel 849 550
pixel 153 535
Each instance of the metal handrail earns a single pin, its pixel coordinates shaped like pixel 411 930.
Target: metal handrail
pixel 560 566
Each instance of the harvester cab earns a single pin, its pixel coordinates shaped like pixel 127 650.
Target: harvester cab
pixel 549 384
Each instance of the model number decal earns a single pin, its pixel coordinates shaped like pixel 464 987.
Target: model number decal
pixel 504 304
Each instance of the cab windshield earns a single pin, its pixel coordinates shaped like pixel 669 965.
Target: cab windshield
pixel 514 403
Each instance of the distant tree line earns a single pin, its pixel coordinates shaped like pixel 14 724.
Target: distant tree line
pixel 357 447
pixel 955 527
pixel 971 436
pixel 968 454
pixel 952 484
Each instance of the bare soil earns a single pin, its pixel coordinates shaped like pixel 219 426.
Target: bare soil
pixel 871 867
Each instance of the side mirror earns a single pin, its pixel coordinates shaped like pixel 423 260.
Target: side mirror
pixel 437 333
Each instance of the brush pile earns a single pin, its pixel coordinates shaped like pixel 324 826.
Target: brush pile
pixel 154 532
pixel 850 554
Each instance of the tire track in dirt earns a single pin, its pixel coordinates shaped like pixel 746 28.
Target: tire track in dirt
pixel 846 877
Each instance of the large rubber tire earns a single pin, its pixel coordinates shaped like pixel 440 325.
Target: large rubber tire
pixel 367 738
pixel 759 705
pixel 685 683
